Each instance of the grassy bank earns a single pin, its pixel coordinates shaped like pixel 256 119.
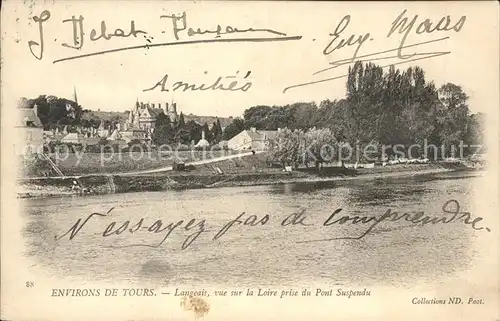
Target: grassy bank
pixel 102 184
pixel 238 171
pixel 113 163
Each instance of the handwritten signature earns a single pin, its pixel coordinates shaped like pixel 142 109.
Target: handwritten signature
pixel 402 25
pixel 183 34
pixel 195 228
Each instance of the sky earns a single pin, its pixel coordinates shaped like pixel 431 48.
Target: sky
pixel 114 81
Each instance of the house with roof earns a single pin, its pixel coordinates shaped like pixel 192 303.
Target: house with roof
pixel 253 139
pixel 143 116
pixel 73 138
pixel 29 130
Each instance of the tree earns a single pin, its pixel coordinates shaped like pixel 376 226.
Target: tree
pixel 182 135
pixel 181 122
pixel 256 116
pixel 219 127
pixel 287 150
pixel 194 130
pixel 456 117
pixel 208 133
pixel 161 120
pixel 53 110
pixel 397 107
pixel 475 133
pixel 233 129
pixel 216 131
pixel 320 146
pixel 163 133
pixel 304 115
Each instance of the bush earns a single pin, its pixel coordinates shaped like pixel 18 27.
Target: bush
pixel 135 142
pixel 182 148
pixel 35 166
pixel 216 148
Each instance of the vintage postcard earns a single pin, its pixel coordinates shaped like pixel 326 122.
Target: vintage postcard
pixel 233 160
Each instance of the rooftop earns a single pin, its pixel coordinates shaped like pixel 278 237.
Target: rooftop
pixel 28 118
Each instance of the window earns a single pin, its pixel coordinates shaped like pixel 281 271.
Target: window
pixel 29 136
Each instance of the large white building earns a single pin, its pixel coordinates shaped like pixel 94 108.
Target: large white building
pixel 253 139
pixel 29 132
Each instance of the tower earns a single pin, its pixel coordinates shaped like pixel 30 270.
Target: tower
pixel 172 112
pixel 166 109
pixel 131 117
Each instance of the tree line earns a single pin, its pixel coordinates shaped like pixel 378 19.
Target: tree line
pixel 183 132
pixel 380 108
pixel 54 111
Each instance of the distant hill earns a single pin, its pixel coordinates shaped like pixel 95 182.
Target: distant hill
pixel 224 121
pixel 105 115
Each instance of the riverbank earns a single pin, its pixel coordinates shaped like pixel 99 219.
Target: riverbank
pixel 108 184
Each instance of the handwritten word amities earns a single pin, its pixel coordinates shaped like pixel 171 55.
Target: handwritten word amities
pixel 228 83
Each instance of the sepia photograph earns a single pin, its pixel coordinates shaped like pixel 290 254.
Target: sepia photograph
pixel 249 160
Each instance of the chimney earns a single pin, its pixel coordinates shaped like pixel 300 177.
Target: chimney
pixel 153 105
pixel 159 105
pixel 253 129
pixel 166 108
pixel 35 110
pixel 203 134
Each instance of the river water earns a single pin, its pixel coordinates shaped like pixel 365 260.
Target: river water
pixel 269 254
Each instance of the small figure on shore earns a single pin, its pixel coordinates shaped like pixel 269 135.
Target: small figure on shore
pixel 75 186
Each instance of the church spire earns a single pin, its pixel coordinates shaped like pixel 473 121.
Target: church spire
pixel 75 98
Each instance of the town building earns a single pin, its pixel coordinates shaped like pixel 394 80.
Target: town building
pixel 102 131
pixel 142 119
pixel 143 116
pixel 29 136
pixel 79 139
pixel 253 139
